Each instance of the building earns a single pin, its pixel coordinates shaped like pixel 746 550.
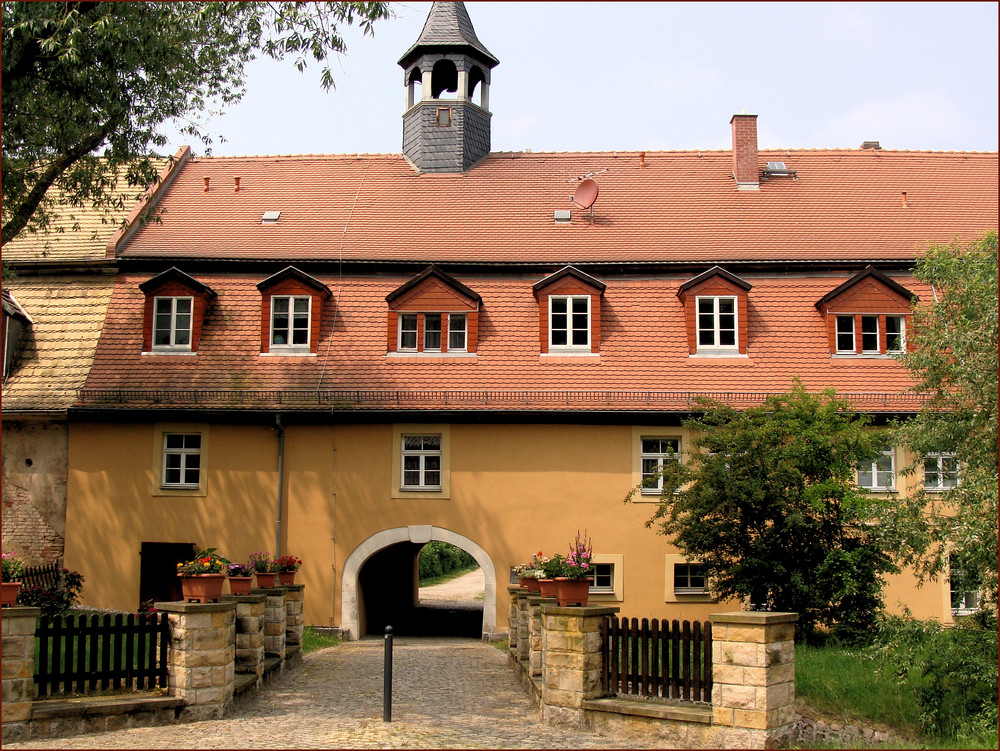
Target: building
pixel 344 357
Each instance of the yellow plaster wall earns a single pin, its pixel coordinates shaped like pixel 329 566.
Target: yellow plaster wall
pixel 514 490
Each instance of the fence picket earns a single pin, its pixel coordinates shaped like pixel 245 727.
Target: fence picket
pixel 686 660
pixel 675 659
pixel 654 657
pixel 696 661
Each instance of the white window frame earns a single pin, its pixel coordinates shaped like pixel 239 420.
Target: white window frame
pixel 464 331
pixel 901 333
pixel 174 328
pixel 604 578
pixel 690 589
pixel 422 455
pixel 185 453
pixel 968 602
pixel 569 346
pixel 659 457
pixel 441 318
pixel 838 332
pixel 716 325
pixel 878 473
pixel 869 334
pixel 403 330
pixel 941 486
pixel 289 346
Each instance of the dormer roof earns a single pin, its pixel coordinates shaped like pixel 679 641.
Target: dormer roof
pixel 434 271
pixel 290 272
pixel 869 272
pixel 174 274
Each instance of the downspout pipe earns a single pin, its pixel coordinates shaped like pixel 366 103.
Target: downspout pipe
pixel 281 484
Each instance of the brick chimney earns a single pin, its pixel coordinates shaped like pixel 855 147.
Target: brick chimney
pixel 745 152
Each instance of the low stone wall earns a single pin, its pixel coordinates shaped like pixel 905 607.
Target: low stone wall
pixel 219 656
pixel 556 654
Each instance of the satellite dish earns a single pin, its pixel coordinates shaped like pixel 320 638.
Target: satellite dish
pixel 586 194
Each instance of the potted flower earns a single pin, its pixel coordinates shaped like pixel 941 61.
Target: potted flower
pixel 573 587
pixel 551 568
pixel 240 578
pixel 528 575
pixel 287 565
pixel 265 569
pixel 203 576
pixel 13 569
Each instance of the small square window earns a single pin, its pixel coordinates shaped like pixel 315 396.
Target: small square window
pixel 880 474
pixel 716 323
pixel 172 317
pixel 655 452
pixel 604 578
pixel 941 472
pixel 569 322
pixel 290 317
pixel 689 579
pixel 181 460
pixel 421 462
pixel 444 117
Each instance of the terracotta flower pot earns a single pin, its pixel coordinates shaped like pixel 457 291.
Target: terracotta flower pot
pixel 286 577
pixel 240 585
pixel 548 587
pixel 572 591
pixel 10 590
pixel 266 581
pixel 202 587
pixel 532 583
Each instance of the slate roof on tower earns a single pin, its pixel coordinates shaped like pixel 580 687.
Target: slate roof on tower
pixel 448 25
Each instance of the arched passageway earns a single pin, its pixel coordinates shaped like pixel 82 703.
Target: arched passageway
pixel 379 585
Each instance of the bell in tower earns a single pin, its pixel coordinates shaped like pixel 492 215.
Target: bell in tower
pixel 446 124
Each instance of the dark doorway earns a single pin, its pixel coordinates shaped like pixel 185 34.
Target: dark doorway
pixel 388 588
pixel 158 561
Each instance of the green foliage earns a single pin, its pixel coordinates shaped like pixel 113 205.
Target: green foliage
pixel 204 562
pixel 440 558
pixel 54 601
pixel 12 568
pixel 313 641
pixel 954 360
pixel 84 78
pixel 768 504
pixel 954 671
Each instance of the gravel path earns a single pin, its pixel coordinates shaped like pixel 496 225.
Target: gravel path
pixel 470 586
pixel 447 693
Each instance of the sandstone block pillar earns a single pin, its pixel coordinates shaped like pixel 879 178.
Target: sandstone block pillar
pixel 249 632
pixel 275 621
pixel 535 636
pixel 18 658
pixel 513 615
pixel 294 618
pixel 753 672
pixel 571 661
pixel 201 656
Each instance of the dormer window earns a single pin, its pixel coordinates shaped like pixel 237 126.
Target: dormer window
pixel 433 314
pixel 291 309
pixel 174 314
pixel 867 316
pixel 569 308
pixel 716 310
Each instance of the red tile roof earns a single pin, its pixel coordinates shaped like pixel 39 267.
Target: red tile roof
pixel 679 207
pixel 643 363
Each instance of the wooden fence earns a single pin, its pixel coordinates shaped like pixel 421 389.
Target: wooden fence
pixel 49 575
pixel 84 654
pixel 654 658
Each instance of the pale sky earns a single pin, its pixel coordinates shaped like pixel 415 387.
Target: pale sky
pixel 592 76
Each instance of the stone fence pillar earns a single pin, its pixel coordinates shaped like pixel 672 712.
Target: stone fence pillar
pixel 275 621
pixel 535 636
pixel 753 672
pixel 513 614
pixel 249 632
pixel 571 669
pixel 294 617
pixel 523 628
pixel 18 626
pixel 201 657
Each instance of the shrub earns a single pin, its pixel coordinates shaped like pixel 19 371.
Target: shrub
pixel 440 558
pixel 54 601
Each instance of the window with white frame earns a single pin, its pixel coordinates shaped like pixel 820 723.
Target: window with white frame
pixel 895 334
pixel 421 462
pixel 432 332
pixel 869 334
pixel 941 471
pixel 964 586
pixel 407 332
pixel 879 474
pixel 290 321
pixel 569 322
pixel 845 334
pixel 716 323
pixel 181 460
pixel 655 452
pixel 604 578
pixel 689 579
pixel 457 332
pixel 172 317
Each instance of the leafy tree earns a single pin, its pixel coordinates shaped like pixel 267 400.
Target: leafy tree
pixel 767 502
pixel 82 78
pixel 954 360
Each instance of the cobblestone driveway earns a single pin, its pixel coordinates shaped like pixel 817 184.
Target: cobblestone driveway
pixel 447 693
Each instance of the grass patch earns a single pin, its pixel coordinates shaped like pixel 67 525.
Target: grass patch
pixel 431 581
pixel 843 686
pixel 313 641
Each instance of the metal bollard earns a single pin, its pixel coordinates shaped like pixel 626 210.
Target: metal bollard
pixel 387 678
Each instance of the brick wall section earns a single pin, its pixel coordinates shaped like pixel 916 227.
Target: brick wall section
pixel 201 656
pixel 275 620
pixel 18 626
pixel 745 149
pixel 249 632
pixel 753 669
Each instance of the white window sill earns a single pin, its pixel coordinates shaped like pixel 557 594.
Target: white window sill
pixel 864 356
pixel 174 352
pixel 709 353
pixel 877 490
pixel 180 487
pixel 572 353
pixel 407 354
pixel 289 353
pixel 422 489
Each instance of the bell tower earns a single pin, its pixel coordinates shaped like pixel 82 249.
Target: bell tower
pixel 446 123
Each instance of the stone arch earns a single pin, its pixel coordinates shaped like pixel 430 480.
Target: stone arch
pixel 419 534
